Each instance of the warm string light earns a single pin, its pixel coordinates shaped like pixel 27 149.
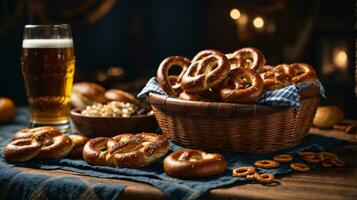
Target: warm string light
pixel 258 22
pixel 340 58
pixel 235 14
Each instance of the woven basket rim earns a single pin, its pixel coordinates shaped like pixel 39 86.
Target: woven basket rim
pixel 221 109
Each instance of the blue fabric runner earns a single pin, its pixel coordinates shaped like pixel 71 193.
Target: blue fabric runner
pixel 173 188
pixel 287 96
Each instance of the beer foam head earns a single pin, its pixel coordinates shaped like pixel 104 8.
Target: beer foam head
pixel 47 43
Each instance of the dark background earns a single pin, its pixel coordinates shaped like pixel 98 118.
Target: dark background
pixel 120 43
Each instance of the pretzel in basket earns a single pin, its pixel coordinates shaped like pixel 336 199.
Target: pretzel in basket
pixel 194 164
pixel 126 150
pixel 205 73
pixel 169 83
pixel 41 143
pixel 243 85
pixel 303 72
pixel 250 58
pixel 277 77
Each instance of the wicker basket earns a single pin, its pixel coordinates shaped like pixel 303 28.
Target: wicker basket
pixel 228 127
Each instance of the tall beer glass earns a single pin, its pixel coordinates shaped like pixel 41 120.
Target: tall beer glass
pixel 48 65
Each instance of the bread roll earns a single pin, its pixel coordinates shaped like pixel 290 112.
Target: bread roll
pixel 327 116
pixel 7 110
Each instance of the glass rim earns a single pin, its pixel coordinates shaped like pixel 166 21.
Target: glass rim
pixel 47 26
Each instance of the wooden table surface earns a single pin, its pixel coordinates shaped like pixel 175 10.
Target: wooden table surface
pixel 319 183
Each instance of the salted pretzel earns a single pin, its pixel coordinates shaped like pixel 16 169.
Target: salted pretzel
pixel 277 77
pixel 126 150
pixel 78 140
pixel 53 144
pixel 250 58
pixel 166 83
pixel 303 72
pixel 243 85
pixel 205 73
pixel 204 53
pixel 189 163
pixel 78 144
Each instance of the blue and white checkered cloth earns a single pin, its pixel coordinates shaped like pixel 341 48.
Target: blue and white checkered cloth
pixel 284 97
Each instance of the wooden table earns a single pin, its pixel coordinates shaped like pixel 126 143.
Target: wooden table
pixel 319 183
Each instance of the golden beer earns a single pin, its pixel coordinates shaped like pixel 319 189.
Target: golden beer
pixel 48 67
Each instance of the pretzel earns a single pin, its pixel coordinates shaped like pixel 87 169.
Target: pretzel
pixel 303 72
pixel 264 178
pixel 300 167
pixel 79 141
pixel 206 73
pixel 250 58
pixel 243 85
pixel 252 176
pixel 163 73
pixel 53 144
pixel 194 164
pixel 269 164
pixel 22 149
pixel 126 150
pixel 203 54
pixel 189 97
pixel 28 133
pixel 282 158
pixel 307 153
pixel 243 171
pixel 311 159
pixel 277 77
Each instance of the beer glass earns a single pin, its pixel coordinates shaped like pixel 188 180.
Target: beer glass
pixel 48 65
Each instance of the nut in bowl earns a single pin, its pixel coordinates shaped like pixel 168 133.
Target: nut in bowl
pixel 113 124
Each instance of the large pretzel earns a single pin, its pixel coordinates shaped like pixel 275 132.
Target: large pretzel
pixel 194 164
pixel 126 150
pixel 243 85
pixel 41 143
pixel 169 85
pixel 205 73
pixel 250 58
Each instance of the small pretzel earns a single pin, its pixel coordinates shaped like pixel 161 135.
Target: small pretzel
pixel 243 171
pixel 28 133
pixel 300 167
pixel 163 73
pixel 54 144
pixel 79 141
pixel 194 164
pixel 264 178
pixel 326 163
pixel 311 159
pixel 269 164
pixel 303 72
pixel 189 97
pixel 250 58
pixel 283 158
pixel 337 162
pixel 252 176
pixel 22 149
pixel 205 73
pixel 326 155
pixel 243 85
pixel 307 153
